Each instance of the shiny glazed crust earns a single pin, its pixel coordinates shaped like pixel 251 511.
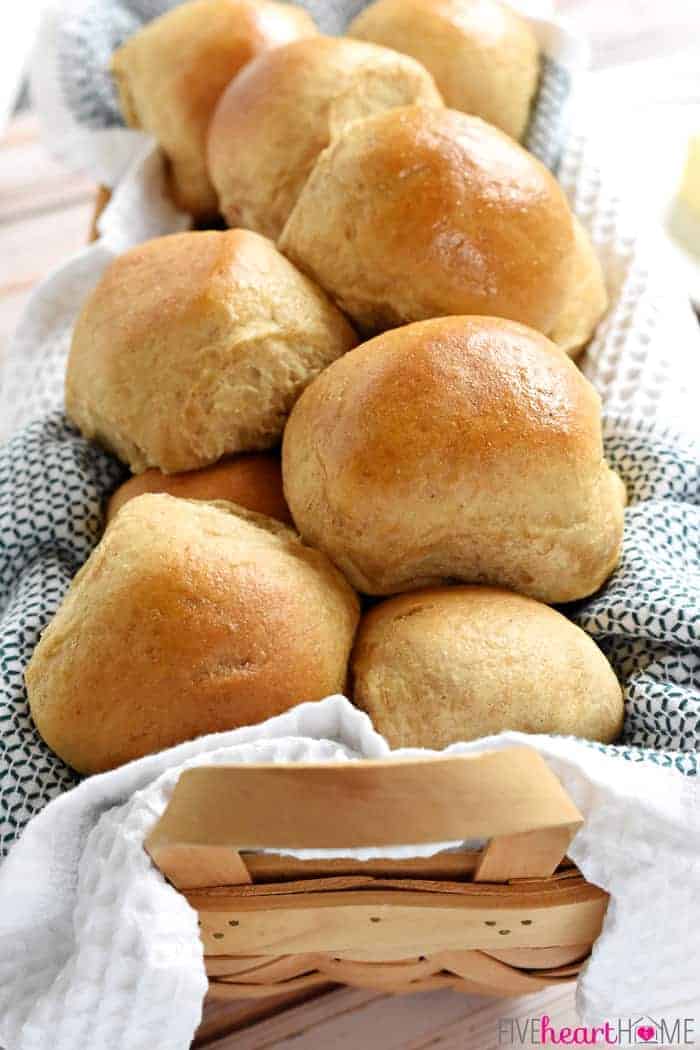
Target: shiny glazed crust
pixel 420 212
pixel 463 448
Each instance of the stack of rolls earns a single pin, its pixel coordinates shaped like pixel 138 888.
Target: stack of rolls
pixel 363 458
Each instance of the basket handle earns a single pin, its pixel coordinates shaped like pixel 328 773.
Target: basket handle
pixel 510 797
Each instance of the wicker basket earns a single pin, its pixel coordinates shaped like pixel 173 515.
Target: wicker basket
pixel 503 920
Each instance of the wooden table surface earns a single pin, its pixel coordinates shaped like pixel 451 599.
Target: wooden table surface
pixel 45 214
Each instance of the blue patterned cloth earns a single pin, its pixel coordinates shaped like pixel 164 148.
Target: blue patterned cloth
pixel 53 485
pixel 52 488
pixel 647 617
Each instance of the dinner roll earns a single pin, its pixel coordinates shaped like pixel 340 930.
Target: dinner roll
pixel 586 300
pixel 314 86
pixel 484 57
pixel 254 482
pixel 458 663
pixel 188 618
pixel 461 448
pixel 420 212
pixel 170 75
pixel 196 345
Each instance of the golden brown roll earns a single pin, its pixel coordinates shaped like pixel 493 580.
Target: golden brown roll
pixel 449 664
pixel 276 117
pixel 253 481
pixel 171 73
pixel 463 448
pixel 188 618
pixel 420 212
pixel 195 346
pixel 586 300
pixel 484 57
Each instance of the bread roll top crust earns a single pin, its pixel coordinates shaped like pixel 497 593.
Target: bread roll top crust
pixel 463 447
pixel 171 73
pixel 418 212
pixel 447 664
pixel 188 618
pixel 484 56
pixel 195 346
pixel 277 116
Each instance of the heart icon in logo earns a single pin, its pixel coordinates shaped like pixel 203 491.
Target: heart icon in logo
pixel 646 1032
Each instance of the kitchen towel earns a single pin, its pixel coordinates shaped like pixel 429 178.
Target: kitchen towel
pixel 96 947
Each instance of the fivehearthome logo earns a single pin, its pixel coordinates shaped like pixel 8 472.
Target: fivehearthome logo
pixel 632 1031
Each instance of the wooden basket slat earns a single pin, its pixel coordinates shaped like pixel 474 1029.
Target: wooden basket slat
pixel 281 968
pixel 530 854
pixel 217 815
pixel 531 889
pixel 232 965
pixel 483 969
pixel 219 989
pixel 346 920
pixel 535 962
pixel 542 958
pixel 527 893
pixel 470 970
pixel 345 805
pixel 563 973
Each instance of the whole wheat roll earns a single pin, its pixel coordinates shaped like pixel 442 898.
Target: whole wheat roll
pixel 252 481
pixel 483 55
pixel 188 618
pixel 277 116
pixel 195 346
pixel 419 212
pixel 170 75
pixel 465 448
pixel 586 299
pixel 447 664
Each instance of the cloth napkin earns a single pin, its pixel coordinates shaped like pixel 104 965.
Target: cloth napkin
pixel 95 947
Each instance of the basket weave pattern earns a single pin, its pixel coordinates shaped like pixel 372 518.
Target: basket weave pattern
pixel 504 919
